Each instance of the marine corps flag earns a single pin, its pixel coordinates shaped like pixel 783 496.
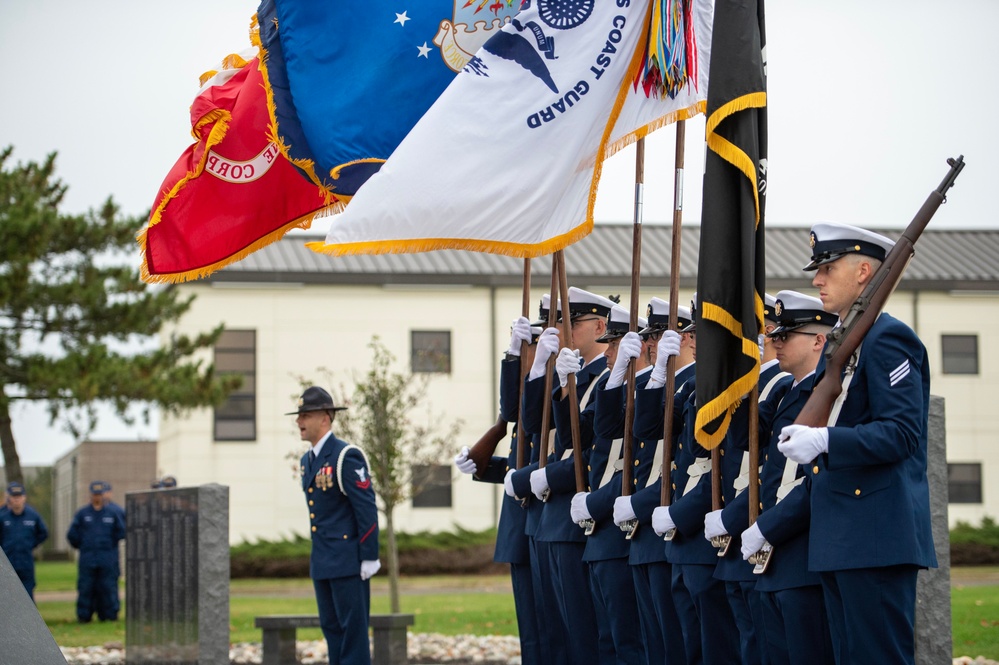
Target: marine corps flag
pixel 731 269
pixel 231 192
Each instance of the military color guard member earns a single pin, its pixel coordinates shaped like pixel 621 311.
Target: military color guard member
pixel 870 509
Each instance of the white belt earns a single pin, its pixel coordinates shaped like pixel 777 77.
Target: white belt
pixel 789 480
pixel 701 466
pixel 657 465
pixel 614 462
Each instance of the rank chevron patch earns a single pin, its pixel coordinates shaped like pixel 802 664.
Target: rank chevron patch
pixel 899 372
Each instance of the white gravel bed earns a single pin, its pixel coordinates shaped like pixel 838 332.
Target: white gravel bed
pixel 423 648
pixel 430 648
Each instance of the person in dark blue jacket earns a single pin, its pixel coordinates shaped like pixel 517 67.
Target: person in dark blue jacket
pixel 665 625
pixel 556 480
pixel 512 542
pixel 96 531
pixel 870 509
pixel 607 547
pixel 794 622
pixel 22 529
pixel 116 508
pixel 343 516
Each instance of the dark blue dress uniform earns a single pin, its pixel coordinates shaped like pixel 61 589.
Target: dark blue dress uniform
pixel 693 558
pixel 111 505
pixel 512 543
pixel 796 625
pixel 606 551
pixel 665 625
pixel 344 526
pixel 96 534
pixel 740 582
pixel 553 645
pixel 19 535
pixel 565 539
pixel 870 508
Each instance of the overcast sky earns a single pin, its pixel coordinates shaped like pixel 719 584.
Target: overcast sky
pixel 866 102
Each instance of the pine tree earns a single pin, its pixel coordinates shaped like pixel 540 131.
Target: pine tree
pixel 73 313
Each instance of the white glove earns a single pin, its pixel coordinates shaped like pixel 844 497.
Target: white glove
pixel 539 483
pixel 568 362
pixel 762 342
pixel 713 526
pixel 548 344
pixel 464 464
pixel 520 332
pixel 369 568
pixel 629 348
pixel 752 541
pixel 803 444
pixel 661 521
pixel 577 509
pixel 623 511
pixel 669 345
pixel 508 484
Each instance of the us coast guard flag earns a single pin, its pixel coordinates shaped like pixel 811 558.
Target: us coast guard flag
pixel 508 159
pixel 231 192
pixel 731 270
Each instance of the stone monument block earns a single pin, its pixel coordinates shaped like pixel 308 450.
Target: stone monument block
pixel 24 637
pixel 177 571
pixel 934 640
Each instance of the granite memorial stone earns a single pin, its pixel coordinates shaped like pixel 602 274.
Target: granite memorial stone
pixel 934 641
pixel 177 571
pixel 24 637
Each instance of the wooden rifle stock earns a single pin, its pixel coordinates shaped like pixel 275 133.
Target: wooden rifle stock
pixel 484 448
pixel 844 340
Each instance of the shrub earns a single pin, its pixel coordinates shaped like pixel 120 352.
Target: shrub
pixel 975 546
pixel 423 553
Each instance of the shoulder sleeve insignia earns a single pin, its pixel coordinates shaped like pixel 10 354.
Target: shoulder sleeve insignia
pixel 363 482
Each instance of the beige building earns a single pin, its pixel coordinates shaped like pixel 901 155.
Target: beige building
pixel 127 465
pixel 288 313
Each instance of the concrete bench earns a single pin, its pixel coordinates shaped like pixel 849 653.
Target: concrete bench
pixel 388 637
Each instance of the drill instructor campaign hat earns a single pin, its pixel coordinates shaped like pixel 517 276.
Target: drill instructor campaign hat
pixel 315 399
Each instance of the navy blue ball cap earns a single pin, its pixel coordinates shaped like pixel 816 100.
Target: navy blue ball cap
pixel 831 241
pixel 15 488
pixel 97 487
pixel 315 399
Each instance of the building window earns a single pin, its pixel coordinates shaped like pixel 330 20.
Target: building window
pixel 431 486
pixel 960 354
pixel 236 353
pixel 430 351
pixel 964 483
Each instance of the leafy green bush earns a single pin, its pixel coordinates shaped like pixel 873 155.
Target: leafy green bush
pixel 422 553
pixel 975 546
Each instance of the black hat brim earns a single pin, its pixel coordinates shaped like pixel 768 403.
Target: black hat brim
pixel 309 409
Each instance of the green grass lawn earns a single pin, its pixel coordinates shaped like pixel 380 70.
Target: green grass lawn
pixel 447 605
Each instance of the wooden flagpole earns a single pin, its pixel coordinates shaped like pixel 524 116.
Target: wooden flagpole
pixel 546 406
pixel 636 261
pixel 570 387
pixel 674 295
pixel 525 311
